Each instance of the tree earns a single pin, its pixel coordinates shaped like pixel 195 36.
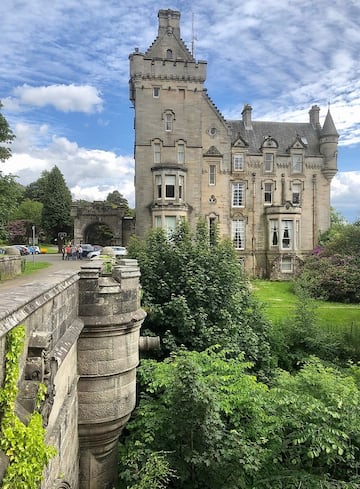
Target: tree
pixel 30 211
pixel 36 190
pixel 196 295
pixel 116 199
pixel 6 136
pixel 218 427
pixel 10 195
pixel 57 203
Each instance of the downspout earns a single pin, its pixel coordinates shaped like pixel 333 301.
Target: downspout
pixel 253 239
pixel 314 216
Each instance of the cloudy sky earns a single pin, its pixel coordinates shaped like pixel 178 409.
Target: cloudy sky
pixel 64 75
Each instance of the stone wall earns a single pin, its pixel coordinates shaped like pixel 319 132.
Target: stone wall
pixel 82 341
pixel 10 266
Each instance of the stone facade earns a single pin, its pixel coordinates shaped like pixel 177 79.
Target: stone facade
pixel 266 185
pixel 82 341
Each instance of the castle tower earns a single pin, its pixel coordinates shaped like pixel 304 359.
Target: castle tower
pixel 166 88
pixel 264 184
pixel 328 146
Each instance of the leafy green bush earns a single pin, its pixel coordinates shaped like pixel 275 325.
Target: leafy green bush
pixel 333 278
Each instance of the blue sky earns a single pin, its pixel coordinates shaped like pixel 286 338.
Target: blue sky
pixel 64 79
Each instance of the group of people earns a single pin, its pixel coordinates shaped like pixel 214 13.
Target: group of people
pixel 72 252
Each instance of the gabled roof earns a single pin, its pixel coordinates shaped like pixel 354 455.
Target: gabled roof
pixel 212 151
pixel 168 40
pixel 282 132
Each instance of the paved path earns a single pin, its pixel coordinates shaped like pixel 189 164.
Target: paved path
pixel 58 266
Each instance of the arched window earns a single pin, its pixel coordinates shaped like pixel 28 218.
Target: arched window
pixel 169 54
pixel 168 122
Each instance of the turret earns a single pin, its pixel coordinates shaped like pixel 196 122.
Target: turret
pixel 328 146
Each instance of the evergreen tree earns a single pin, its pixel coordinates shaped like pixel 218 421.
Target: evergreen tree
pixel 36 190
pixel 57 202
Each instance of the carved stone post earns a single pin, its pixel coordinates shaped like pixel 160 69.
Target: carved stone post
pixel 108 354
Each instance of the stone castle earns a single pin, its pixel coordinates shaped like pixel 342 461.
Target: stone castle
pixel 266 185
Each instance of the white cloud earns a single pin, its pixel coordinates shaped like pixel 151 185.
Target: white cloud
pixel 345 194
pixel 66 98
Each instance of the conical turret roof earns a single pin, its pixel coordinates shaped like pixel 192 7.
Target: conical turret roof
pixel 328 128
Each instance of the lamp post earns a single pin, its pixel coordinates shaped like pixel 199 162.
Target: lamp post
pixel 33 242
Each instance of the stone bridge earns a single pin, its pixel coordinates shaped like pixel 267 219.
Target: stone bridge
pixel 82 341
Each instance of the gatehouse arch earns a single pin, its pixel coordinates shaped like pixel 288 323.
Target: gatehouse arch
pixel 101 223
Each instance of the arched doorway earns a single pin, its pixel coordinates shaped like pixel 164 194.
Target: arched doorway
pixel 99 233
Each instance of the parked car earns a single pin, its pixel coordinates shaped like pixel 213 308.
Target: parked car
pixel 34 250
pixel 91 254
pixel 86 248
pixel 119 250
pixel 24 250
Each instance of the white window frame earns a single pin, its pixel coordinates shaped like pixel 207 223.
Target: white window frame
pixel 287 234
pixel 268 193
pixel 170 183
pixel 268 162
pixel 296 163
pixel 181 187
pixel 212 174
pixel 238 194
pixel 156 92
pixel 157 153
pixel 169 225
pixel 238 161
pixel 238 233
pixel 296 193
pixel 287 264
pixel 181 153
pixel 274 232
pixel 158 186
pixel 168 122
pixel 157 222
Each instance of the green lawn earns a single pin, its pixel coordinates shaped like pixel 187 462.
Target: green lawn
pixel 280 300
pixel 33 266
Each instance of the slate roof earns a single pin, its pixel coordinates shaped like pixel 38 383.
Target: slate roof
pixel 284 133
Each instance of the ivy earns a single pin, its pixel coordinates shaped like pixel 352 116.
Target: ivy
pixel 23 444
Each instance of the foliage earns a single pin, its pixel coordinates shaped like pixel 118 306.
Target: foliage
pixel 195 294
pixel 332 277
pixel 24 445
pixel 36 191
pixel 29 210
pixel 18 231
pixel 10 194
pixel 220 428
pixel 116 199
pixel 6 136
pixel 56 211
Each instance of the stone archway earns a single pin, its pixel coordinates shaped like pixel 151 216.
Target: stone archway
pixel 101 222
pixel 99 233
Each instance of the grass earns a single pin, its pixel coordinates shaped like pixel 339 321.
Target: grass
pixel 279 300
pixel 34 266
